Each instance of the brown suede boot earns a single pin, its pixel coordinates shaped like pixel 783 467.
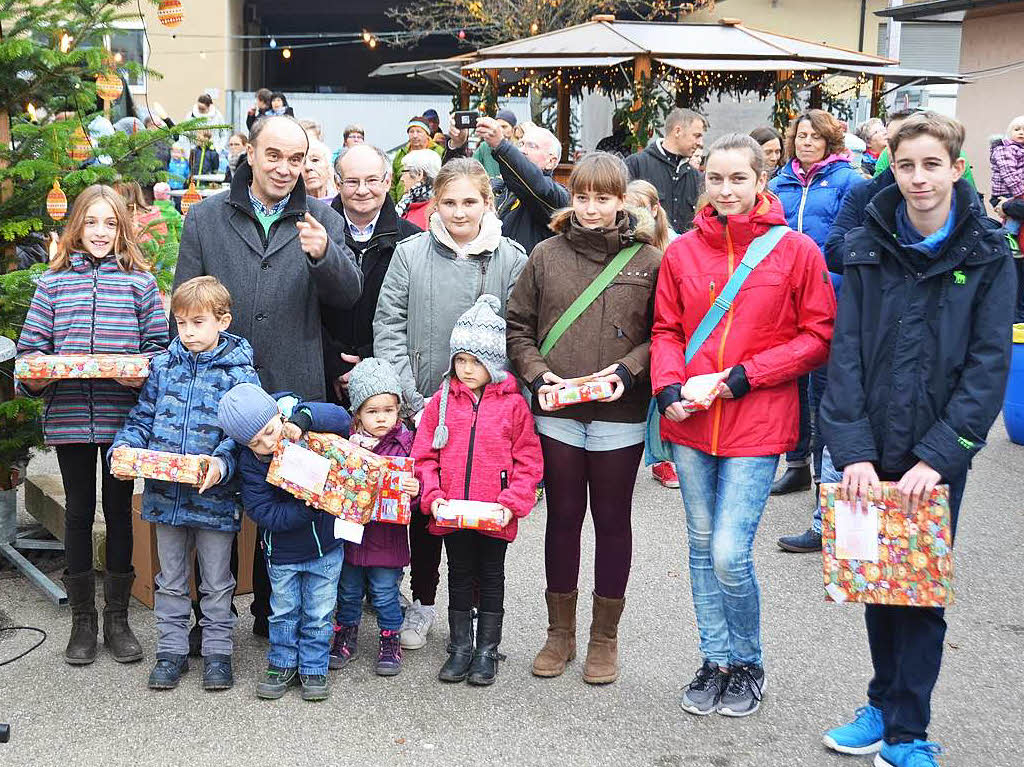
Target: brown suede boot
pixel 560 647
pixel 81 588
pixel 602 664
pixel 117 634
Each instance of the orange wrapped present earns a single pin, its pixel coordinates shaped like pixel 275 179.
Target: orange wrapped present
pixel 331 474
pixel 470 515
pixel 697 406
pixel 157 464
pixel 579 390
pixel 393 504
pixel 875 552
pixel 81 366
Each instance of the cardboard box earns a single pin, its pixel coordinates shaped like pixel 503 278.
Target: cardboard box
pixel 347 485
pixel 81 366
pixel 884 555
pixel 157 464
pixel 470 515
pixel 147 563
pixel 394 506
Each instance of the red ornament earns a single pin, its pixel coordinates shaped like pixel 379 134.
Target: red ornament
pixel 462 34
pixel 56 202
pixel 190 198
pixel 109 86
pixel 81 147
pixel 170 13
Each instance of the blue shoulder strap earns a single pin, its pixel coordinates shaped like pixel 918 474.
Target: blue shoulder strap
pixel 758 249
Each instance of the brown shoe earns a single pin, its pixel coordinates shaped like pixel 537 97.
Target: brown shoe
pixel 602 664
pixel 560 647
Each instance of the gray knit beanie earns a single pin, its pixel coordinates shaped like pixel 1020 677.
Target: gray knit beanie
pixel 244 412
pixel 480 331
pixel 369 378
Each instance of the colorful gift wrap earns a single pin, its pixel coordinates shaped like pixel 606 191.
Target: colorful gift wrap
pixel 352 481
pixel 157 464
pixel 913 562
pixel 393 505
pixel 581 390
pixel 697 406
pixel 81 366
pixel 470 515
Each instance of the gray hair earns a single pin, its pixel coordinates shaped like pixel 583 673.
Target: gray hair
pixel 554 145
pixel 684 117
pixel 426 161
pixel 866 128
pixel 384 161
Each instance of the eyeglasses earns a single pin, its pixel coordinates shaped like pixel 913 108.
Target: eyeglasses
pixel 353 184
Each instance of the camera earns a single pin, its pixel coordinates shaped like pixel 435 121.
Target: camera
pixel 465 120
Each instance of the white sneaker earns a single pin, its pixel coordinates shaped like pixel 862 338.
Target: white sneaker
pixel 403 602
pixel 419 619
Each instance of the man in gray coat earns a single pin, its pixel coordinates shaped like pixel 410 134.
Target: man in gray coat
pixel 281 255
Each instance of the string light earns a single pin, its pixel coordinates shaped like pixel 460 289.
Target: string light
pixel 272 43
pixel 366 36
pixel 373 42
pixel 286 53
pixel 65 42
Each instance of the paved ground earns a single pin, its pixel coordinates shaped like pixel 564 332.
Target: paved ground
pixel 816 656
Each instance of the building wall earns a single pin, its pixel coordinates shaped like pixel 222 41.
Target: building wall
pixel 987 105
pixel 836 22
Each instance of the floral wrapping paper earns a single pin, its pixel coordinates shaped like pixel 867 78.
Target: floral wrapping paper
pixel 81 366
pixel 156 464
pixel 393 505
pixel 697 406
pixel 353 482
pixel 915 555
pixel 584 391
pixel 489 520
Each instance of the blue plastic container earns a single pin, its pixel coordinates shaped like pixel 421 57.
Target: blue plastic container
pixel 1013 405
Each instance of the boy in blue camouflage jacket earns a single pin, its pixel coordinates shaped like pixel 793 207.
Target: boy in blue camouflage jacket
pixel 177 413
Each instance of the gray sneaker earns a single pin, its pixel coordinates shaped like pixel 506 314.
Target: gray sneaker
pixel 419 619
pixel 702 694
pixel 314 687
pixel 742 696
pixel 276 681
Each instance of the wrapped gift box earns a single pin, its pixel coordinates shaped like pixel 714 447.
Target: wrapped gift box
pixel 393 505
pixel 470 515
pixel 81 366
pixel 887 556
pixel 347 485
pixel 581 390
pixel 696 406
pixel 156 464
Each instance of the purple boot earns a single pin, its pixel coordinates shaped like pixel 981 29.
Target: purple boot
pixel 344 646
pixel 389 661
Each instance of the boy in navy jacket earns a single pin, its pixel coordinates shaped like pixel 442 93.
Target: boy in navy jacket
pixel 303 557
pixel 916 377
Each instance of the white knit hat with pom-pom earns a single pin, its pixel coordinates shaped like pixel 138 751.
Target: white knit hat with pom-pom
pixel 480 331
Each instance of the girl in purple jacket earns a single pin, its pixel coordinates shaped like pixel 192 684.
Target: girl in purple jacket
pixel 375 393
pixel 98 297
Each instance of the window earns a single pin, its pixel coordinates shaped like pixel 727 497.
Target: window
pixel 131 44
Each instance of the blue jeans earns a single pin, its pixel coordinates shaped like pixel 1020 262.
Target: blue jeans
pixel 829 475
pixel 724 499
pixel 382 583
pixel 302 598
pixel 800 455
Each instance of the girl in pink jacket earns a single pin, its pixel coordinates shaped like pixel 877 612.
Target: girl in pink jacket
pixel 476 442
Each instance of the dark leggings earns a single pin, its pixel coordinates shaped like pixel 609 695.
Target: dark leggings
pixel 610 476
pixel 475 558
pixel 78 471
pixel 425 560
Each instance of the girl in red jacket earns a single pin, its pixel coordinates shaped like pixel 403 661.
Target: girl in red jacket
pixel 778 328
pixel 476 442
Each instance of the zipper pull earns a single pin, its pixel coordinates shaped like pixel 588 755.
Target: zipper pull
pixel 711 290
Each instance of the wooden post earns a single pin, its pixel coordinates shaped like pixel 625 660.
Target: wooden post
pixel 877 88
pixel 783 95
pixel 463 95
pixel 492 78
pixel 641 71
pixel 816 97
pixel 563 117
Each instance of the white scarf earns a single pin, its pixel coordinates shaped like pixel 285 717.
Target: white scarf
pixel 486 241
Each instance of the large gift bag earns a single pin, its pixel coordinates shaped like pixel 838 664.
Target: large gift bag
pixel 157 464
pixel 875 552
pixel 393 505
pixel 81 366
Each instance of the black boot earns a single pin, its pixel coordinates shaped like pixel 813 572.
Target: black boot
pixel 81 588
pixel 795 479
pixel 117 635
pixel 460 646
pixel 486 656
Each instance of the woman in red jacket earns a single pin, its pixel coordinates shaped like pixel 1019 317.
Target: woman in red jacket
pixel 476 442
pixel 778 328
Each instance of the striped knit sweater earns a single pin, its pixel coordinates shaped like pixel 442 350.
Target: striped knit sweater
pixel 91 308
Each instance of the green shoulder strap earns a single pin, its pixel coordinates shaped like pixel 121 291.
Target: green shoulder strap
pixel 588 296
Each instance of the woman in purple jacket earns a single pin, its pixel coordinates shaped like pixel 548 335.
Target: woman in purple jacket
pixel 375 393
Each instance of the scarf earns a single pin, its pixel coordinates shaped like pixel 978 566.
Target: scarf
pixel 908 236
pixel 806 178
pixel 364 440
pixel 418 193
pixel 486 241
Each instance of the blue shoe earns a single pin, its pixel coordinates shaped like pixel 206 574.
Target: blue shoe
pixel 861 736
pixel 168 670
pixel 804 543
pixel 217 674
pixel 920 753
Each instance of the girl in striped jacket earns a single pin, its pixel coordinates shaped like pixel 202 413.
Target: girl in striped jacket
pixel 98 297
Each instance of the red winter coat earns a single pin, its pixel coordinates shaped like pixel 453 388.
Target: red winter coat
pixel 779 328
pixel 500 430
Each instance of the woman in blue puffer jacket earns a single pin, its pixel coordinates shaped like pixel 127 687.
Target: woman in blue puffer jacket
pixel 812 185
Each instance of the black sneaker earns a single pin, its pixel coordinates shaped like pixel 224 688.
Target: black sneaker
pixel 217 674
pixel 275 682
pixel 742 696
pixel 167 671
pixel 314 687
pixel 702 694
